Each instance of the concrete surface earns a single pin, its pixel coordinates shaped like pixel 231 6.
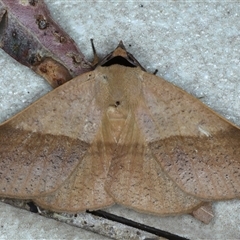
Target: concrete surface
pixel 195 45
pixel 21 224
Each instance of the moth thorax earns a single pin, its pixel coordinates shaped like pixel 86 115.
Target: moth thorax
pixel 116 117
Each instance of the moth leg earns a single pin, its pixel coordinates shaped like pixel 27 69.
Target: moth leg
pixel 204 213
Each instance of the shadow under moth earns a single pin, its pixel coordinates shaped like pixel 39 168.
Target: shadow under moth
pixel 117 135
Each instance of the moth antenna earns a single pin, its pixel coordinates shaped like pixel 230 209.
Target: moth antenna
pixel 95 58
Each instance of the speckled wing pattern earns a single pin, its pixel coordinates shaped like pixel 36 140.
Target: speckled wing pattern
pixel 43 145
pixel 85 188
pixel 137 181
pixel 196 148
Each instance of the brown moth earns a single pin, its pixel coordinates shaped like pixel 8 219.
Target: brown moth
pixel 118 134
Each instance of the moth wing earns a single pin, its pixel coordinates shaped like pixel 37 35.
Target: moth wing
pixel 41 146
pixel 195 147
pixel 137 181
pixel 85 187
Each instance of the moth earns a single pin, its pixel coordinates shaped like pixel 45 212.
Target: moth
pixel 119 135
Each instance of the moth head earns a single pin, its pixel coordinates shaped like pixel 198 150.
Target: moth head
pixel 120 56
pixel 118 80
